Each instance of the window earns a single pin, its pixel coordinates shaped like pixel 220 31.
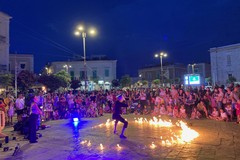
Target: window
pixel 22 66
pixel 72 75
pixel 82 75
pixel 106 72
pixel 229 62
pixel 230 75
pixel 94 74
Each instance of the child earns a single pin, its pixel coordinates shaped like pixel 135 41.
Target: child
pixel 11 112
pixel 195 114
pixel 55 114
pixel 182 112
pixel 145 110
pixel 170 110
pixel 138 109
pixel 215 114
pixel 229 111
pixel 223 116
pixel 175 112
pixel 237 106
pixel 155 111
pixel 163 110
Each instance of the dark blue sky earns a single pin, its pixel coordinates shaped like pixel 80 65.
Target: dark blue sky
pixel 130 31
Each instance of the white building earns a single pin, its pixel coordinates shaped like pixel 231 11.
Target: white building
pixel 225 63
pixel 100 73
pixel 21 62
pixel 4 42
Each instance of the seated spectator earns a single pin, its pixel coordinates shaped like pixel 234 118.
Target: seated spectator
pixel 202 108
pixel 56 114
pixel 175 112
pixel 146 110
pixel 223 116
pixel 155 111
pixel 169 110
pixel 138 109
pixel 182 112
pixel 163 110
pixel 229 111
pixel 215 114
pixel 195 114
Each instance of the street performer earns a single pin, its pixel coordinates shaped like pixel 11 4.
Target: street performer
pixel 117 111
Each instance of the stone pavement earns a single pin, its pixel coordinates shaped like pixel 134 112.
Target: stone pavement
pixel 217 140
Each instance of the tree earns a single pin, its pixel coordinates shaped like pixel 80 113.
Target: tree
pixel 156 82
pixel 125 81
pixel 25 80
pixel 52 82
pixel 115 83
pixel 64 77
pixel 145 83
pixel 6 80
pixel 231 79
pixel 75 84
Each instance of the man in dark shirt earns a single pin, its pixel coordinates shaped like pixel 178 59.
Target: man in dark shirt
pixel 117 111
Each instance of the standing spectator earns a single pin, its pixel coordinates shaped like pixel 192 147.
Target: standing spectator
pixel 70 100
pixel 237 106
pixel 20 104
pixel 11 112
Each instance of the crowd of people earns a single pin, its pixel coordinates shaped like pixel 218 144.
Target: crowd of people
pixel 218 104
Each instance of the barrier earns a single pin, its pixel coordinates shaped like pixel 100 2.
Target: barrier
pixel 2 123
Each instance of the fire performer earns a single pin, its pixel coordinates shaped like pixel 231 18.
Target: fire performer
pixel 117 111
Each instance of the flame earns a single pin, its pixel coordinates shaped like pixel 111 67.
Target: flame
pixel 153 146
pixel 83 142
pixel 101 146
pixel 119 147
pixel 188 134
pixel 89 144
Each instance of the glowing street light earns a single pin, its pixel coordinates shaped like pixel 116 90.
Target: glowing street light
pixel 192 65
pixel 81 31
pixel 67 67
pixel 161 55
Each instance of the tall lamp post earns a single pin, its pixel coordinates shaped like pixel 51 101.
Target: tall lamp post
pixel 81 31
pixel 192 65
pixel 161 55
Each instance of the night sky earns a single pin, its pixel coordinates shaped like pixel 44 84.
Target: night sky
pixel 130 31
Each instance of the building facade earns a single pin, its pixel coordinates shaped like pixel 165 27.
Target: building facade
pixel 99 73
pixel 172 74
pixel 225 63
pixel 21 62
pixel 4 42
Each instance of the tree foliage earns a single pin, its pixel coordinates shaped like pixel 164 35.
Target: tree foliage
pixel 6 80
pixel 115 83
pixel 75 84
pixel 64 77
pixel 52 82
pixel 231 79
pixel 125 81
pixel 25 80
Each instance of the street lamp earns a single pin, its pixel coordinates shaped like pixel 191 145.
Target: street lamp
pixel 192 65
pixel 161 55
pixel 81 31
pixel 67 67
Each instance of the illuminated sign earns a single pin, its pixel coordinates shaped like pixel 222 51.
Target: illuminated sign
pixel 190 79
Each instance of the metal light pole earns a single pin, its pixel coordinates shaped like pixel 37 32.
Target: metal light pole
pixel 161 55
pixel 192 65
pixel 81 31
